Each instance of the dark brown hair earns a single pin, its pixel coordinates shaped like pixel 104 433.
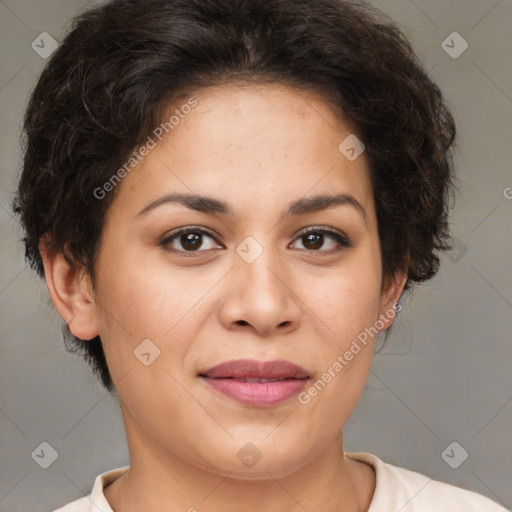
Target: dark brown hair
pixel 122 64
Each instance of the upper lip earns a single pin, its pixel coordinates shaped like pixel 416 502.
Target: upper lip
pixel 251 368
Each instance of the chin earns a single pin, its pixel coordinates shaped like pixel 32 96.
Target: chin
pixel 251 463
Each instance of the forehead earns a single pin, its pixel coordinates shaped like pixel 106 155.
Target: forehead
pixel 250 143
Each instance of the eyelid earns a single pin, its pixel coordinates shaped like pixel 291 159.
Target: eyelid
pixel 320 229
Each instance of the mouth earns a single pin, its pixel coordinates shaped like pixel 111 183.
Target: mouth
pixel 278 369
pixel 252 380
pixel 256 383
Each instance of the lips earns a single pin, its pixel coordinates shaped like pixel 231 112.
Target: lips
pixel 247 369
pixel 256 383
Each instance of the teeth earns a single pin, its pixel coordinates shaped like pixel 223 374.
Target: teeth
pixel 259 381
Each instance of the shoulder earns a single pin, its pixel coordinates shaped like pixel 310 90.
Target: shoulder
pixel 96 499
pixel 400 489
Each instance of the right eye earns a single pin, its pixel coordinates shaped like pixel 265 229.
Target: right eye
pixel 191 239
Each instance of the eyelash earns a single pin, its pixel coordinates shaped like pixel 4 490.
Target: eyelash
pixel 341 239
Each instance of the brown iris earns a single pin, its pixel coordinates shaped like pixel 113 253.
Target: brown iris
pixel 315 240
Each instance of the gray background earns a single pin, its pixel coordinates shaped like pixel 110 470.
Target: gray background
pixel 444 374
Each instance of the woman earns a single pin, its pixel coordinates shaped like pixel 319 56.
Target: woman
pixel 227 200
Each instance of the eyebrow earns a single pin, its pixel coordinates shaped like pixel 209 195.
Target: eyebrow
pixel 210 205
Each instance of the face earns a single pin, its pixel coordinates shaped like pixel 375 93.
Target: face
pixel 262 272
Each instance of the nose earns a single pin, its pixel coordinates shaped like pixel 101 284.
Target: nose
pixel 260 297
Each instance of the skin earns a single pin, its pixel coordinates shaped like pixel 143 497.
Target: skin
pixel 258 148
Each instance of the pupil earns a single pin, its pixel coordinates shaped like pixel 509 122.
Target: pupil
pixel 314 240
pixel 190 241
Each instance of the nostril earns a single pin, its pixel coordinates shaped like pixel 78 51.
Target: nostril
pixel 242 322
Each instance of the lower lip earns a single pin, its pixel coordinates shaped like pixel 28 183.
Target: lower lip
pixel 265 394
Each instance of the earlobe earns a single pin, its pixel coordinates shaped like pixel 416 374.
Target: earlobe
pixel 390 297
pixel 71 293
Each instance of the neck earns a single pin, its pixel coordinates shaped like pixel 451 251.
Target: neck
pixel 158 479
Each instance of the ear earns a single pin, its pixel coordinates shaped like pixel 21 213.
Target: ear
pixel 390 295
pixel 71 292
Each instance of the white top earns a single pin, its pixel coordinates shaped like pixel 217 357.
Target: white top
pixel 397 489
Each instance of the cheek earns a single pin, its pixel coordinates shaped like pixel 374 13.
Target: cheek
pixel 137 293
pixel 347 311
pixel 346 306
pixel 346 301
pixel 140 299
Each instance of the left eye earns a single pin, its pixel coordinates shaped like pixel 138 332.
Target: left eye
pixel 314 238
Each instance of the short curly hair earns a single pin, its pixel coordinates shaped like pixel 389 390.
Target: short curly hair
pixel 123 63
